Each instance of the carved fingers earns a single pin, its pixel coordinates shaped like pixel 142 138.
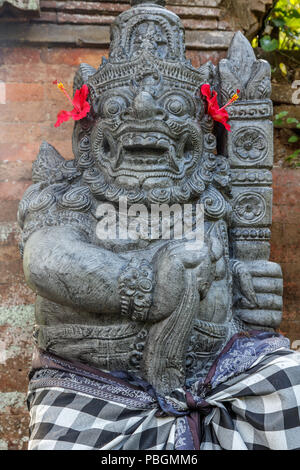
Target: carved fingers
pixel 243 284
pixel 268 286
pixel 191 256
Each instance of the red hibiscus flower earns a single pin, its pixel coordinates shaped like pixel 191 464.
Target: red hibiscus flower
pixel 213 109
pixel 81 106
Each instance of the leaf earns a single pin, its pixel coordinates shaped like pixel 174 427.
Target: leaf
pixel 281 114
pixel 293 139
pixel 294 14
pixel 292 121
pixel 279 22
pixel 269 44
pixel 298 126
pixel 279 10
pixel 278 122
pixel 283 68
pixel 293 155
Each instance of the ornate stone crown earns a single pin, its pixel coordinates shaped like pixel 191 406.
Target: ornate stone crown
pixel 147 36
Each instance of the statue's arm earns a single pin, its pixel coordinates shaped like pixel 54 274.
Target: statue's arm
pixel 61 265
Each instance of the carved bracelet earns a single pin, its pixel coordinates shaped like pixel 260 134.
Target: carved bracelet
pixel 135 287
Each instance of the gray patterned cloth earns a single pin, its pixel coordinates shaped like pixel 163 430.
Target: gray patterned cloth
pixel 249 400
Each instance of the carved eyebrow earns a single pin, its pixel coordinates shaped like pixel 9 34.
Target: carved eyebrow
pixel 125 93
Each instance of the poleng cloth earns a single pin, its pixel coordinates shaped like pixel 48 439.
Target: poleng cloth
pixel 249 400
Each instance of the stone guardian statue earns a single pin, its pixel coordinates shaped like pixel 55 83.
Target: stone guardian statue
pixel 156 308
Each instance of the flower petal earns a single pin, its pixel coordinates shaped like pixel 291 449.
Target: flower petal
pixel 80 97
pixel 205 90
pixel 80 114
pixel 62 117
pixel 213 109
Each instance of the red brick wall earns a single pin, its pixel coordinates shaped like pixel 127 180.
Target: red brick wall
pixel 285 246
pixel 28 107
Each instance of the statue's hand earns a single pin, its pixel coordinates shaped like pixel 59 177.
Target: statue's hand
pixel 267 284
pixel 243 293
pixel 171 264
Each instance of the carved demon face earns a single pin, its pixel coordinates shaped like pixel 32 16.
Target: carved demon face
pixel 147 134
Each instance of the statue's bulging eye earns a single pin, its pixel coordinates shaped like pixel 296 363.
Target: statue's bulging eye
pixel 175 107
pixel 178 106
pixel 113 106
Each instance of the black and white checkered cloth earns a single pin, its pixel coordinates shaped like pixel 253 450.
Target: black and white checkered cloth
pixel 250 400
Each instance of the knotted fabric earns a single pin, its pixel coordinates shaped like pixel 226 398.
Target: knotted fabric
pixel 249 400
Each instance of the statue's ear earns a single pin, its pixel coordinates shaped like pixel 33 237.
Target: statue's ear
pixel 82 128
pixel 82 76
pixel 207 73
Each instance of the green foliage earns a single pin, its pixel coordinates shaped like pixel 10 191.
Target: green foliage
pixel 269 44
pixel 281 32
pixel 280 119
pixel 282 27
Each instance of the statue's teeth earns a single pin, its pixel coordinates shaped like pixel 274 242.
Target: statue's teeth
pixel 138 140
pixel 163 143
pixel 126 140
pixel 150 141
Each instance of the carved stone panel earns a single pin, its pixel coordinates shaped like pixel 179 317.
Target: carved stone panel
pixel 250 144
pixel 252 207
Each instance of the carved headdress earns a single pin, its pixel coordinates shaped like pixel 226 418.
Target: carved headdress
pixel 147 36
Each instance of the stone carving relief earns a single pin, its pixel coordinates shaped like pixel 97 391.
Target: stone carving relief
pixel 250 144
pixel 241 70
pixel 249 207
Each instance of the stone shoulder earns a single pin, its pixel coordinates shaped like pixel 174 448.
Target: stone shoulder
pixel 56 197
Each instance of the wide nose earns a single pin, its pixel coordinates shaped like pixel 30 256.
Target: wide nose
pixel 145 107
